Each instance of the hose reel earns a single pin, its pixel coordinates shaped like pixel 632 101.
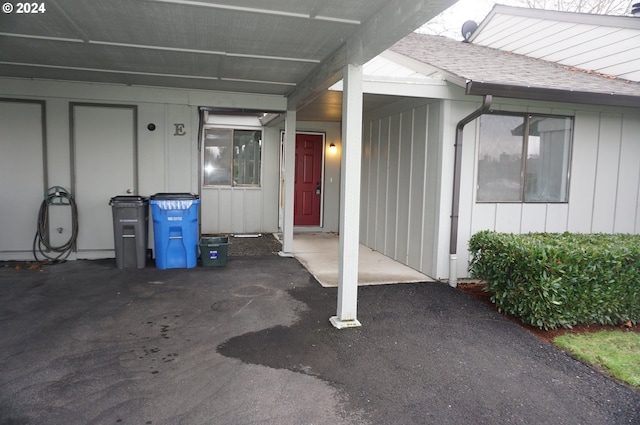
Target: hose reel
pixel 56 197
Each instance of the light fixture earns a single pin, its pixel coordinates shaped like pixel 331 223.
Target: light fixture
pixel 332 148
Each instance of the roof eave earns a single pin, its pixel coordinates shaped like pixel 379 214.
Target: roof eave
pixel 478 88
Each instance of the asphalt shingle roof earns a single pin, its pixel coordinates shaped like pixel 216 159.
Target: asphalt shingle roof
pixel 467 61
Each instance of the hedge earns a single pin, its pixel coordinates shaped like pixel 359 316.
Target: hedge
pixel 552 280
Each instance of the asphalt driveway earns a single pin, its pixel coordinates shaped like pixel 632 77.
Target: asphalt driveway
pixel 250 343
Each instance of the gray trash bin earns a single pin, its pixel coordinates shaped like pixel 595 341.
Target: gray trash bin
pixel 130 230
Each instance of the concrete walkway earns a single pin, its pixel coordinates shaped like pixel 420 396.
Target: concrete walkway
pixel 318 253
pixel 250 343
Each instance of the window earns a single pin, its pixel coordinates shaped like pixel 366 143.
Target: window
pixel 232 157
pixel 524 158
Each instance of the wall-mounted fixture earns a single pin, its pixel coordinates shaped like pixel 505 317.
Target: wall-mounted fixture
pixel 151 127
pixel 332 148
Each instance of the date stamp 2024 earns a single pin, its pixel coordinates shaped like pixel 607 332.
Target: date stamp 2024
pixel 24 8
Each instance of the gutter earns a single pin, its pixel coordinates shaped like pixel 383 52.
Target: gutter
pixel 478 88
pixel 457 172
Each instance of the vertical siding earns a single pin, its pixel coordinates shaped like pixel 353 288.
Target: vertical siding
pixel 604 189
pixel 628 178
pixel 604 196
pixel 365 182
pixel 404 183
pixel 417 187
pixel 372 210
pixel 430 219
pixel 401 185
pixel 246 209
pixel 381 184
pixel 392 187
pixel 584 162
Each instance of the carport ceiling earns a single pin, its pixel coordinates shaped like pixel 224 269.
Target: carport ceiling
pixel 288 48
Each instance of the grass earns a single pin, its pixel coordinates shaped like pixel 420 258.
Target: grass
pixel 617 352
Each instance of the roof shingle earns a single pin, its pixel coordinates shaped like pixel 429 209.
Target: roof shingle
pixel 487 65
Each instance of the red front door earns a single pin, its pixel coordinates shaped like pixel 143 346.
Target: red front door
pixel 308 185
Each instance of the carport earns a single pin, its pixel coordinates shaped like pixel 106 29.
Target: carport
pixel 291 50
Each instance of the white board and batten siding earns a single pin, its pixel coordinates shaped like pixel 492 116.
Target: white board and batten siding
pixel 239 209
pixel 407 181
pixel 400 172
pixel 167 157
pixel 603 193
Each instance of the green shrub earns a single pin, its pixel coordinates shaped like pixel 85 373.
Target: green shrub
pixel 552 280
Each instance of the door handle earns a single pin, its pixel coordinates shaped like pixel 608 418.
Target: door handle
pixel 318 188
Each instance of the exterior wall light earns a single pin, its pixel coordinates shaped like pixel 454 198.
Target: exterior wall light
pixel 333 149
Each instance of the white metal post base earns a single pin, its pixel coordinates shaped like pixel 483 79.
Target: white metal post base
pixel 344 324
pixel 285 254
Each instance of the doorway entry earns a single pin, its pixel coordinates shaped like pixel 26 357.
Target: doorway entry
pixel 308 179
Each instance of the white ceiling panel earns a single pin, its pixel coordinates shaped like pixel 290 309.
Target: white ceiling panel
pixel 251 46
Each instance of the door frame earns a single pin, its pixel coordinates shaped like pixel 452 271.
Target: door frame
pixel 282 182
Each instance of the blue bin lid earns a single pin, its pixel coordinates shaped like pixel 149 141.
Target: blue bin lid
pixel 174 196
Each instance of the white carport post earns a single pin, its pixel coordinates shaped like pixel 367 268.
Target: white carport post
pixel 289 179
pixel 350 199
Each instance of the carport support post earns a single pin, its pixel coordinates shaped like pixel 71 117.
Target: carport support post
pixel 289 178
pixel 350 198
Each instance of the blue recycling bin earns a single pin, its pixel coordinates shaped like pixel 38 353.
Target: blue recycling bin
pixel 175 229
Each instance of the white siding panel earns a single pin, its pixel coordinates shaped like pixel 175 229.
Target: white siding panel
pixel 253 212
pixel 606 173
pixel 557 218
pixel 534 29
pixel 432 186
pixel 416 210
pixel 560 32
pixel 210 211
pixel 583 163
pixel 508 218
pixel 534 218
pixel 365 183
pixel 372 209
pixel 591 39
pixel 628 176
pixel 484 217
pixel 404 183
pixel 225 212
pixel 238 207
pixel 151 144
pixel 181 160
pixel 502 27
pixel 382 175
pixel 392 192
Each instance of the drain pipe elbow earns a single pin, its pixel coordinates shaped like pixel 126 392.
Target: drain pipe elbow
pixel 457 172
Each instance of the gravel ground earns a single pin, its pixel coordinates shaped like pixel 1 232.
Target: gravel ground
pixel 265 244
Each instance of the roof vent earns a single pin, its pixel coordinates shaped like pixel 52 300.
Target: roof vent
pixel 635 9
pixel 467 30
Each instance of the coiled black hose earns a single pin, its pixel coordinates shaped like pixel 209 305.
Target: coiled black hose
pixel 54 253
